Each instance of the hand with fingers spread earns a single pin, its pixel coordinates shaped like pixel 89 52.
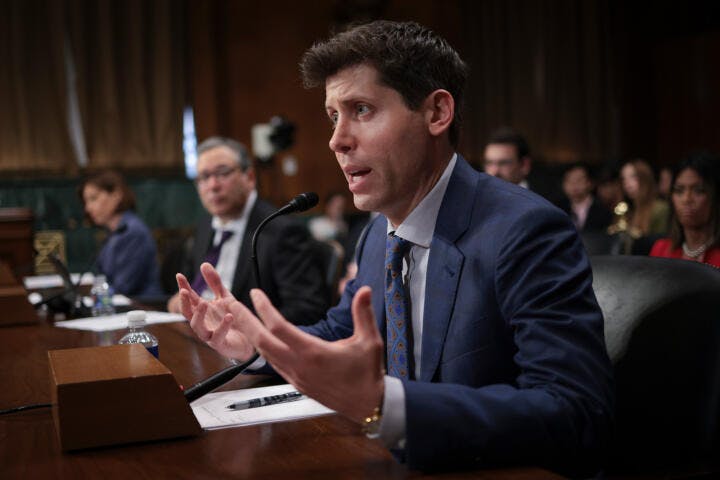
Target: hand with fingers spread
pixel 345 375
pixel 214 322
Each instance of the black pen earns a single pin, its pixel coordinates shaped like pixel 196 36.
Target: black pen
pixel 264 401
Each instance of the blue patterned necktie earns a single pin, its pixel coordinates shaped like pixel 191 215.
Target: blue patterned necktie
pixel 397 309
pixel 212 256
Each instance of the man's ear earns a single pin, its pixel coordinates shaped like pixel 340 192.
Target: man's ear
pixel 526 165
pixel 250 174
pixel 440 111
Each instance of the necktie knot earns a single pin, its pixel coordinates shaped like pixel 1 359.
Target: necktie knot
pixel 226 234
pixel 395 250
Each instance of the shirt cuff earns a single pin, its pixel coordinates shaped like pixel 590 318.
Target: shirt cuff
pixel 393 422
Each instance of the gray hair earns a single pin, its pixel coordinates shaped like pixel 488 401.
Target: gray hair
pixel 242 157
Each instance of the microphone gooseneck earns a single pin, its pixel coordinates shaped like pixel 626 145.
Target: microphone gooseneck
pixel 304 201
pixel 216 380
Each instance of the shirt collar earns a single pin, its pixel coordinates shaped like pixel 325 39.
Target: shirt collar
pixel 236 224
pixel 419 226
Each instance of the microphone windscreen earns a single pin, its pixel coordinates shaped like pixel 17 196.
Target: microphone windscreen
pixel 304 201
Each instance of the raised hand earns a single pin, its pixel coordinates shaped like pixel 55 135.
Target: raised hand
pixel 345 375
pixel 214 322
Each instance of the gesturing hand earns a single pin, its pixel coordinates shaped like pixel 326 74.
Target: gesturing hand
pixel 345 375
pixel 214 322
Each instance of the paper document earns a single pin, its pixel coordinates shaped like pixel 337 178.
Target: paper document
pixel 212 412
pixel 39 282
pixel 118 321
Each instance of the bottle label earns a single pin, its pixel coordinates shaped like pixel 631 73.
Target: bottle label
pixel 155 350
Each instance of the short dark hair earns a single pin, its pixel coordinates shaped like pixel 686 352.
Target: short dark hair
pixel 512 137
pixel 579 165
pixel 409 58
pixel 241 153
pixel 110 181
pixel 707 166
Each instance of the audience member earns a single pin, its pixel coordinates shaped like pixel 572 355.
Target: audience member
pixel 128 257
pixel 290 274
pixel 664 183
pixel 495 349
pixel 331 225
pixel 646 214
pixel 586 212
pixel 507 156
pixel 695 212
pixel 609 189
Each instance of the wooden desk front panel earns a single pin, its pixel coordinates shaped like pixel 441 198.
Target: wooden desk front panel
pixel 326 447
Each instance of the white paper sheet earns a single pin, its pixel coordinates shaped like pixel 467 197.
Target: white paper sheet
pixel 118 321
pixel 212 412
pixel 38 282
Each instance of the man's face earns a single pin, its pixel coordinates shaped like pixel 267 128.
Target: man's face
pixel 222 186
pixel 576 184
pixel 382 146
pixel 501 160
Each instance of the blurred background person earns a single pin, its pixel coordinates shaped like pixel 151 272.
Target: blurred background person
pixel 507 155
pixel 665 183
pixel 609 190
pixel 290 272
pixel 128 255
pixel 331 225
pixel 587 213
pixel 643 217
pixel 695 213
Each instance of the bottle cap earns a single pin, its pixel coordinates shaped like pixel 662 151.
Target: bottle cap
pixel 136 318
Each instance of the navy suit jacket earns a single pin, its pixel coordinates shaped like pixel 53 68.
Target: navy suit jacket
pixel 514 367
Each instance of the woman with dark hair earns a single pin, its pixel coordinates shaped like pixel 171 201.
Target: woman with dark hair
pixel 128 257
pixel 695 215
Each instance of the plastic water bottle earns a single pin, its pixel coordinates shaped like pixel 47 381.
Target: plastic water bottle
pixel 138 334
pixel 101 297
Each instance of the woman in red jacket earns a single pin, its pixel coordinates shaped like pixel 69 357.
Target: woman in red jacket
pixel 695 212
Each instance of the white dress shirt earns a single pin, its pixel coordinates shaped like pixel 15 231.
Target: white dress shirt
pixel 418 228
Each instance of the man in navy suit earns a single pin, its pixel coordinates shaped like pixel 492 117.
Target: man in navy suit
pixel 506 361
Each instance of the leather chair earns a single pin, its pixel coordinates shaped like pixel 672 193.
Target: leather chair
pixel 662 329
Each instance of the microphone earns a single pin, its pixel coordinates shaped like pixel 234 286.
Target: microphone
pixel 302 202
pixel 216 380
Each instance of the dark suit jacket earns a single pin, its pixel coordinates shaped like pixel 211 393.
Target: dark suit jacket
pixel 598 218
pixel 514 367
pixel 290 272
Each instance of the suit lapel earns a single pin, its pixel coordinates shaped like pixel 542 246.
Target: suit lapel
pixel 243 280
pixel 445 264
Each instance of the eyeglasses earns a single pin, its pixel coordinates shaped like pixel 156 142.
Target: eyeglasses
pixel 220 173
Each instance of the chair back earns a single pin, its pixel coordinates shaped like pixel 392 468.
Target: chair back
pixel 662 330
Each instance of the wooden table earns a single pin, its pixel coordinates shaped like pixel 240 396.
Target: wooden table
pixel 324 447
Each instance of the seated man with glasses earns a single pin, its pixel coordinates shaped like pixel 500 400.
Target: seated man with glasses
pixel 288 272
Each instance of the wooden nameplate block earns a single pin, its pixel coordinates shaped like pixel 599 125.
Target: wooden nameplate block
pixel 114 395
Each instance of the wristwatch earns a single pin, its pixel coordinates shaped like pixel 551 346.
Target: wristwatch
pixel 371 424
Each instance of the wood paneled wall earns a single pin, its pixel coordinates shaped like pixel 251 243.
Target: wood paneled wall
pixel 659 69
pixel 244 69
